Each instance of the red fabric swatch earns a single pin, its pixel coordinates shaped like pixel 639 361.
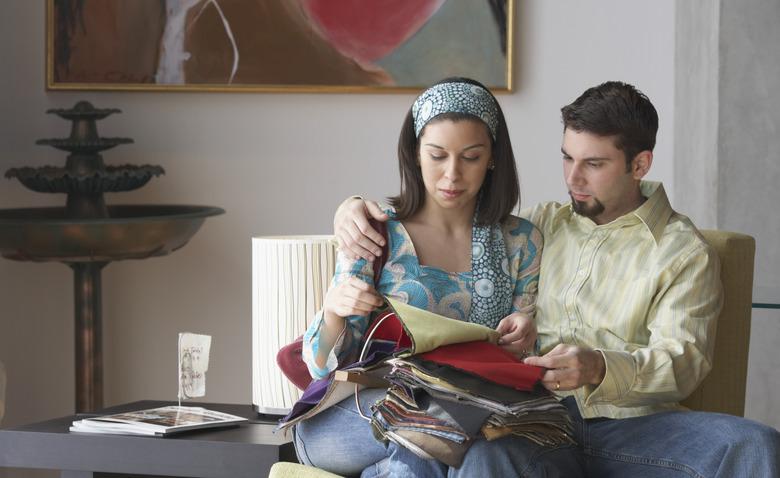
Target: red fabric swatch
pixel 389 329
pixel 489 361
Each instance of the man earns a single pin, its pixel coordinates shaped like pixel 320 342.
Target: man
pixel 628 298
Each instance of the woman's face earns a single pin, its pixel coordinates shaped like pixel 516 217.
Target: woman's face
pixel 454 159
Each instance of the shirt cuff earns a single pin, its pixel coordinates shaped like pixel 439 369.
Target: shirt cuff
pixel 619 377
pixel 312 348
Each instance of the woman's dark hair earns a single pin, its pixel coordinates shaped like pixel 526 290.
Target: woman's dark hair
pixel 500 191
pixel 615 109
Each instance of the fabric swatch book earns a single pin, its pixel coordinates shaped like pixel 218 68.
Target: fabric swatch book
pixel 156 421
pixel 448 384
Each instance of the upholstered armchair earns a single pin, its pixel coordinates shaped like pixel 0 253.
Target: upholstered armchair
pixel 723 390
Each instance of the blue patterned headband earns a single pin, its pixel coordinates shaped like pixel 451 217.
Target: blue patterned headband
pixel 455 98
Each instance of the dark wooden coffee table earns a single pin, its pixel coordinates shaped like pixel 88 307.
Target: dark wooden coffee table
pixel 247 450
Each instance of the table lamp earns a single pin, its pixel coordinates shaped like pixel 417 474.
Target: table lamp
pixel 290 276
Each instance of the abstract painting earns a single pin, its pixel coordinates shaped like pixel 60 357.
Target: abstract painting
pixel 276 45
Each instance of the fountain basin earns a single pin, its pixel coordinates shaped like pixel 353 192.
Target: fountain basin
pixel 130 232
pixel 49 179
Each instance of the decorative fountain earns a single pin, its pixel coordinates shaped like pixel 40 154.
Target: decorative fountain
pixel 87 234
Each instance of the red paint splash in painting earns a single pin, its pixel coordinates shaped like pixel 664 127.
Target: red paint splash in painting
pixel 369 30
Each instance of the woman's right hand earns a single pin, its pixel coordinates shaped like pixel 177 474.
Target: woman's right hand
pixel 518 334
pixel 354 234
pixel 351 297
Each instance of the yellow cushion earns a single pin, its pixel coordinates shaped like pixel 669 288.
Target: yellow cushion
pixel 724 388
pixel 294 470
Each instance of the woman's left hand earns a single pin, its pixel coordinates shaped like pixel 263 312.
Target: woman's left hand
pixel 518 334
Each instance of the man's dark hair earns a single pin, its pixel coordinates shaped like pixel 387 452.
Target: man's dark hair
pixel 500 191
pixel 615 109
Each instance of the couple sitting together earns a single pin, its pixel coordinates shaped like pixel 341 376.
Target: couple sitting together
pixel 614 294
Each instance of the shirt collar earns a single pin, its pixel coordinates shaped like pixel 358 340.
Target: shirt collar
pixel 654 213
pixel 563 213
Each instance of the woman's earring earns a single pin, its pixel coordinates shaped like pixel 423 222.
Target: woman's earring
pixel 491 166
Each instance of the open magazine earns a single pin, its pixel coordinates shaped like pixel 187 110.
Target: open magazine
pixel 156 421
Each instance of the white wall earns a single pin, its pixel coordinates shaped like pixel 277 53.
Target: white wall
pixel 696 109
pixel 278 163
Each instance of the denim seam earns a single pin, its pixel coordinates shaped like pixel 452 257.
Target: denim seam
pixel 301 454
pixel 641 460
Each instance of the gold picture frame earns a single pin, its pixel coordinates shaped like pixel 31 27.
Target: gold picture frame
pixel 276 45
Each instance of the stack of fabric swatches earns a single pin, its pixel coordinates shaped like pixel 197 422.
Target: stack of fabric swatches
pixel 448 384
pixel 439 402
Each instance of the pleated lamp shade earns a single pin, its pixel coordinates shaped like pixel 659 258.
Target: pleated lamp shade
pixel 290 276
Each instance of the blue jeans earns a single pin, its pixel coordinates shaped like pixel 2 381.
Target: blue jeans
pixel 677 444
pixel 340 441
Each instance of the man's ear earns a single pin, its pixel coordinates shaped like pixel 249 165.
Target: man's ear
pixel 641 164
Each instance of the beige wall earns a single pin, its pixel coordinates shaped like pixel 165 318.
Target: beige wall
pixel 278 163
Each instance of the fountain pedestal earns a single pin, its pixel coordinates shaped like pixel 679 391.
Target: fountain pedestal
pixel 87 298
pixel 87 234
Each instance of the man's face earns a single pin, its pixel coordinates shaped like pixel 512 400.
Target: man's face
pixel 595 172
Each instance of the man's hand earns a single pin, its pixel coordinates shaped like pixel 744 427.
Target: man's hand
pixel 518 334
pixel 570 367
pixel 354 234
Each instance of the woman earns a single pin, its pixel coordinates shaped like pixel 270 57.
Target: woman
pixel 454 249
